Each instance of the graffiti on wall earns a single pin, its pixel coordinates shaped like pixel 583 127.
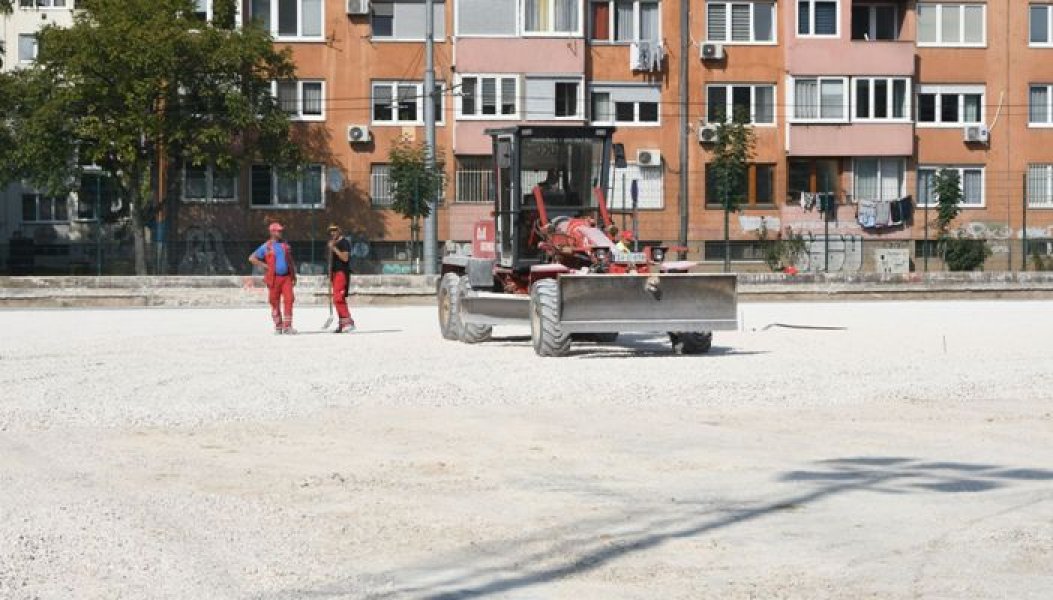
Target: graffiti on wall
pixel 204 253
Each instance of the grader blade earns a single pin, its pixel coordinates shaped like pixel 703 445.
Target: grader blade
pixel 648 303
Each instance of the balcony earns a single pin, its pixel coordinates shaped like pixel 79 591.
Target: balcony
pixel 851 139
pixel 872 39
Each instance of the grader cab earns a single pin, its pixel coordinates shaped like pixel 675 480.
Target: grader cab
pixel 550 257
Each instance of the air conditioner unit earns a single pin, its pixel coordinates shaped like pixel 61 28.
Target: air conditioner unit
pixel 649 158
pixel 977 134
pixel 357 7
pixel 358 134
pixel 712 51
pixel 707 133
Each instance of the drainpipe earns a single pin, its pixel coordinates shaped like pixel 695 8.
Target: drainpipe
pixel 685 53
pixel 431 223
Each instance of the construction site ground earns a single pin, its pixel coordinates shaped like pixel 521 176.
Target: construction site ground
pixel 851 450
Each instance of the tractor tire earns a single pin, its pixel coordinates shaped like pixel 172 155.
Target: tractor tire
pixel 691 342
pixel 545 332
pixel 596 338
pixel 449 307
pixel 470 332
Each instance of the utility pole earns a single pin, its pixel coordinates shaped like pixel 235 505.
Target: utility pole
pixel 683 194
pixel 431 223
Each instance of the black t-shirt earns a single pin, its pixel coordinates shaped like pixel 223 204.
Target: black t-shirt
pixel 342 265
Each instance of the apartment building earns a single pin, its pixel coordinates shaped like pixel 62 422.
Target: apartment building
pixel 855 105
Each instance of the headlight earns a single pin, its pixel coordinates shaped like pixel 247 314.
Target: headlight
pixel 658 255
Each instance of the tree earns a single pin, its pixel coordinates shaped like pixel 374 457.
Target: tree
pixel 732 152
pixel 412 183
pixel 135 85
pixel 959 253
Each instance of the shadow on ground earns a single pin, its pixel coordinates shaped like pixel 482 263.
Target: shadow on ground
pixel 628 346
pixel 542 556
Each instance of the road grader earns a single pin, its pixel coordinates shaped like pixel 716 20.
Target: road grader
pixel 547 257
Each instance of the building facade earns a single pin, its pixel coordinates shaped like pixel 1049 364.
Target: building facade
pixel 855 106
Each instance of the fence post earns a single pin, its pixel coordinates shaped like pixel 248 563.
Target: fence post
pixel 1023 228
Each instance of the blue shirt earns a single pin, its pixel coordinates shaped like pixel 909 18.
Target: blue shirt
pixel 281 265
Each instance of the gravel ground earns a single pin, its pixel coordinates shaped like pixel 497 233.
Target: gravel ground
pixel 191 454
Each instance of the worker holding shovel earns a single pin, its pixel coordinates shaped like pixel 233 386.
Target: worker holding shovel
pixel 339 278
pixel 276 260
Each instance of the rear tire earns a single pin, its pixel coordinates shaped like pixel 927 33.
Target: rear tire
pixel 548 337
pixel 449 307
pixel 470 332
pixel 691 342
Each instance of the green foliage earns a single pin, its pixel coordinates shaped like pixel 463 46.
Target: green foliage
pixel 1039 261
pixel 732 152
pixel 964 254
pixel 782 251
pixel 947 186
pixel 136 83
pixel 413 184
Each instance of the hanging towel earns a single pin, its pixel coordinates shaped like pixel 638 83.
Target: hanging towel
pixel 883 213
pixel 895 213
pixel 906 207
pixel 866 215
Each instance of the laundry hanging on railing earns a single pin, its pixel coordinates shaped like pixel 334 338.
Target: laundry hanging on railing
pixel 879 214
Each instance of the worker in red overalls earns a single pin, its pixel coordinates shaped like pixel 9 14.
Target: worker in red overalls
pixel 276 259
pixel 339 277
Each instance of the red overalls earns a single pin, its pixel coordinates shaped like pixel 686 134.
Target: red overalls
pixel 280 287
pixel 340 283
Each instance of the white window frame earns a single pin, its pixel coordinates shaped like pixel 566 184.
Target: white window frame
pixel 210 12
pixel 636 122
pixel 579 115
pixel 498 90
pixel 299 114
pixel 1049 25
pixel 1048 123
pixel 299 191
pixel 811 25
pixel 1048 176
pixel 481 180
pixel 940 43
pixel 872 10
pixel 210 176
pixel 38 197
pixel 611 4
pixel 729 102
pixel 374 176
pixel 846 100
pixel 727 41
pixel 961 182
pixel 36 48
pixel 419 96
pixel 394 24
pixel 299 37
pixel 902 164
pixel 940 91
pixel 550 31
pixel 45 5
pixel 907 109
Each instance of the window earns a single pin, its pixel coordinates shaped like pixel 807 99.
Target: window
pixel 878 179
pixel 273 188
pixel 97 193
pixel 650 182
pixel 27 47
pixel 291 19
pixel 625 104
pixel 205 10
pixel 741 250
pixel 625 20
pixel 882 99
pixel 561 17
pixel 380 185
pixel 205 183
pixel 548 98
pixel 1040 108
pixel 39 208
pixel 301 100
pixel 406 20
pixel 971 180
pixel 740 22
pixel 42 3
pixel 948 24
pixel 818 17
pixel 487 17
pixel 950 105
pixel 755 102
pixel 1040 186
pixel 875 22
pixel 1041 25
pixel 757 189
pixel 489 96
pixel 402 102
pixel 820 99
pixel 475 179
pixel 812 176
pixel 567 99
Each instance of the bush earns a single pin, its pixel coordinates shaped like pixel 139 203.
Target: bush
pixel 965 254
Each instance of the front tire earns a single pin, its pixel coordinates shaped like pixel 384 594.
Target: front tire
pixel 547 336
pixel 691 342
pixel 449 307
pixel 470 332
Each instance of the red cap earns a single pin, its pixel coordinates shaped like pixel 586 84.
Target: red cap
pixel 276 228
pixel 627 235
